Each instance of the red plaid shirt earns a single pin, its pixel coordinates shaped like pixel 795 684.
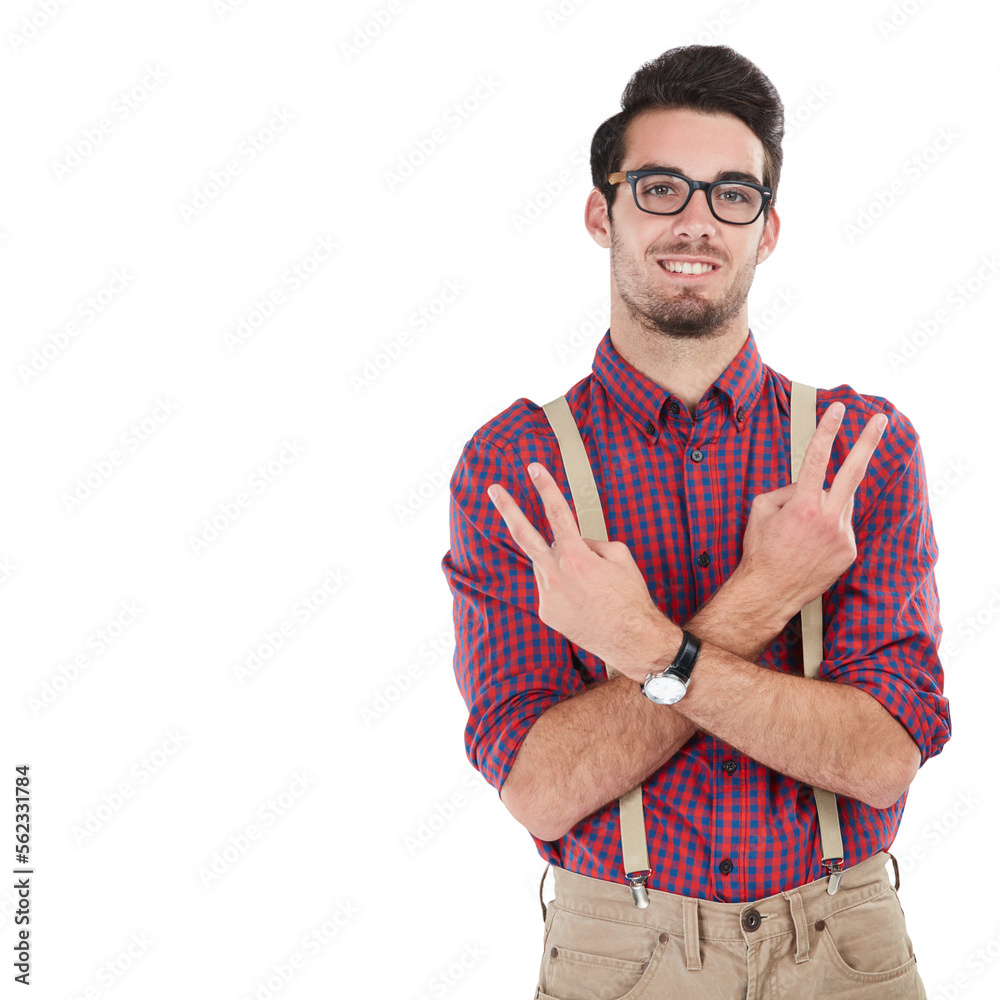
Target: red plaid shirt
pixel 677 491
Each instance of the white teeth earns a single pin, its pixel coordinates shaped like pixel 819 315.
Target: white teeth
pixel 686 267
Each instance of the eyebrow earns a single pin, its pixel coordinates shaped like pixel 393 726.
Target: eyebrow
pixel 722 175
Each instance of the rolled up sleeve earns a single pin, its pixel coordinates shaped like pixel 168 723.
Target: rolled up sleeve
pixel 882 618
pixel 509 665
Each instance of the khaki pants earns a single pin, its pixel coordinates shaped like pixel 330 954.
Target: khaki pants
pixel 799 944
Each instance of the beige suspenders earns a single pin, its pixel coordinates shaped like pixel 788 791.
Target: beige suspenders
pixel 590 517
pixel 591 522
pixel 803 425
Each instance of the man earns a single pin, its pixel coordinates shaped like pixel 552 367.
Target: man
pixel 561 641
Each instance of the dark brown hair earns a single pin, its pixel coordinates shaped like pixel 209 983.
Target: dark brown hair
pixel 709 78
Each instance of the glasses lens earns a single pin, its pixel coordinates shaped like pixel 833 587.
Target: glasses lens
pixel 736 202
pixel 661 192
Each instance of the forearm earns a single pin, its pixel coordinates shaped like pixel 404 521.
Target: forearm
pixel 589 750
pixel 819 732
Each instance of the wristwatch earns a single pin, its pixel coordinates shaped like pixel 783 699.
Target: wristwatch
pixel 670 685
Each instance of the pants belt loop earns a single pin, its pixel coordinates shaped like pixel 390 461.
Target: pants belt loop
pixel 692 946
pixel 540 898
pixel 895 865
pixel 801 929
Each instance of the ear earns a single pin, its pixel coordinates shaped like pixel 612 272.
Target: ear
pixel 595 218
pixel 769 237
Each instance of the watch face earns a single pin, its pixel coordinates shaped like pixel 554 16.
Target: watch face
pixel 666 690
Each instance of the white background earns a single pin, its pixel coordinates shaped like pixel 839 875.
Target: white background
pixel 157 759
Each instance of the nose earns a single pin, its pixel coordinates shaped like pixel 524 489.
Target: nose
pixel 696 219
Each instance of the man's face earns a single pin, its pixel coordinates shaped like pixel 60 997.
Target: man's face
pixel 700 146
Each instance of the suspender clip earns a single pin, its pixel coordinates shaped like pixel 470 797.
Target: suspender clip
pixel 637 883
pixel 836 866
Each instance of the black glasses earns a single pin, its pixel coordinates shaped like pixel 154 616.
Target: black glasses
pixel 662 193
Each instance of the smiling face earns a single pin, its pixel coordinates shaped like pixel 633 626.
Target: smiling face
pixel 658 262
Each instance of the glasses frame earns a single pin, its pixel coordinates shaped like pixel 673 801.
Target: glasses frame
pixel 632 176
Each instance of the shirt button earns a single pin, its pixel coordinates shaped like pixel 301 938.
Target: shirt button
pixel 650 427
pixel 751 920
pixel 674 408
pixel 697 455
pixel 704 559
pixel 729 766
pixel 725 866
pixel 739 413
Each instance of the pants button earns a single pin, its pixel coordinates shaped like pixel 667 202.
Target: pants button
pixel 751 920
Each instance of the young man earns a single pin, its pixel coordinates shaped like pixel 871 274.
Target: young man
pixel 671 657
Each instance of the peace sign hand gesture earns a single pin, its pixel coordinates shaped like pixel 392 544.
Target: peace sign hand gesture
pixel 591 591
pixel 799 539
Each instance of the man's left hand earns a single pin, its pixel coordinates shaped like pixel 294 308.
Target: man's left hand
pixel 591 591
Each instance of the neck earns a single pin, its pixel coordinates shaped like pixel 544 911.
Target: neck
pixel 683 365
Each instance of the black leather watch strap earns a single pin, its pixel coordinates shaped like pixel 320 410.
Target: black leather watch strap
pixel 683 663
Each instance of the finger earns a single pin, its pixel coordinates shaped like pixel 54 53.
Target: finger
pixel 775 499
pixel 816 459
pixel 558 512
pixel 850 474
pixel 527 538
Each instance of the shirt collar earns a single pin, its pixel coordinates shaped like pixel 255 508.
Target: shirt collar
pixel 638 396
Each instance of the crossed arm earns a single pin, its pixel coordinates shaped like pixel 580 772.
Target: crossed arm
pixel 586 751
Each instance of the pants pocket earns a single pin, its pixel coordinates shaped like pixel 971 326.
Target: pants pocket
pixel 868 943
pixel 590 957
